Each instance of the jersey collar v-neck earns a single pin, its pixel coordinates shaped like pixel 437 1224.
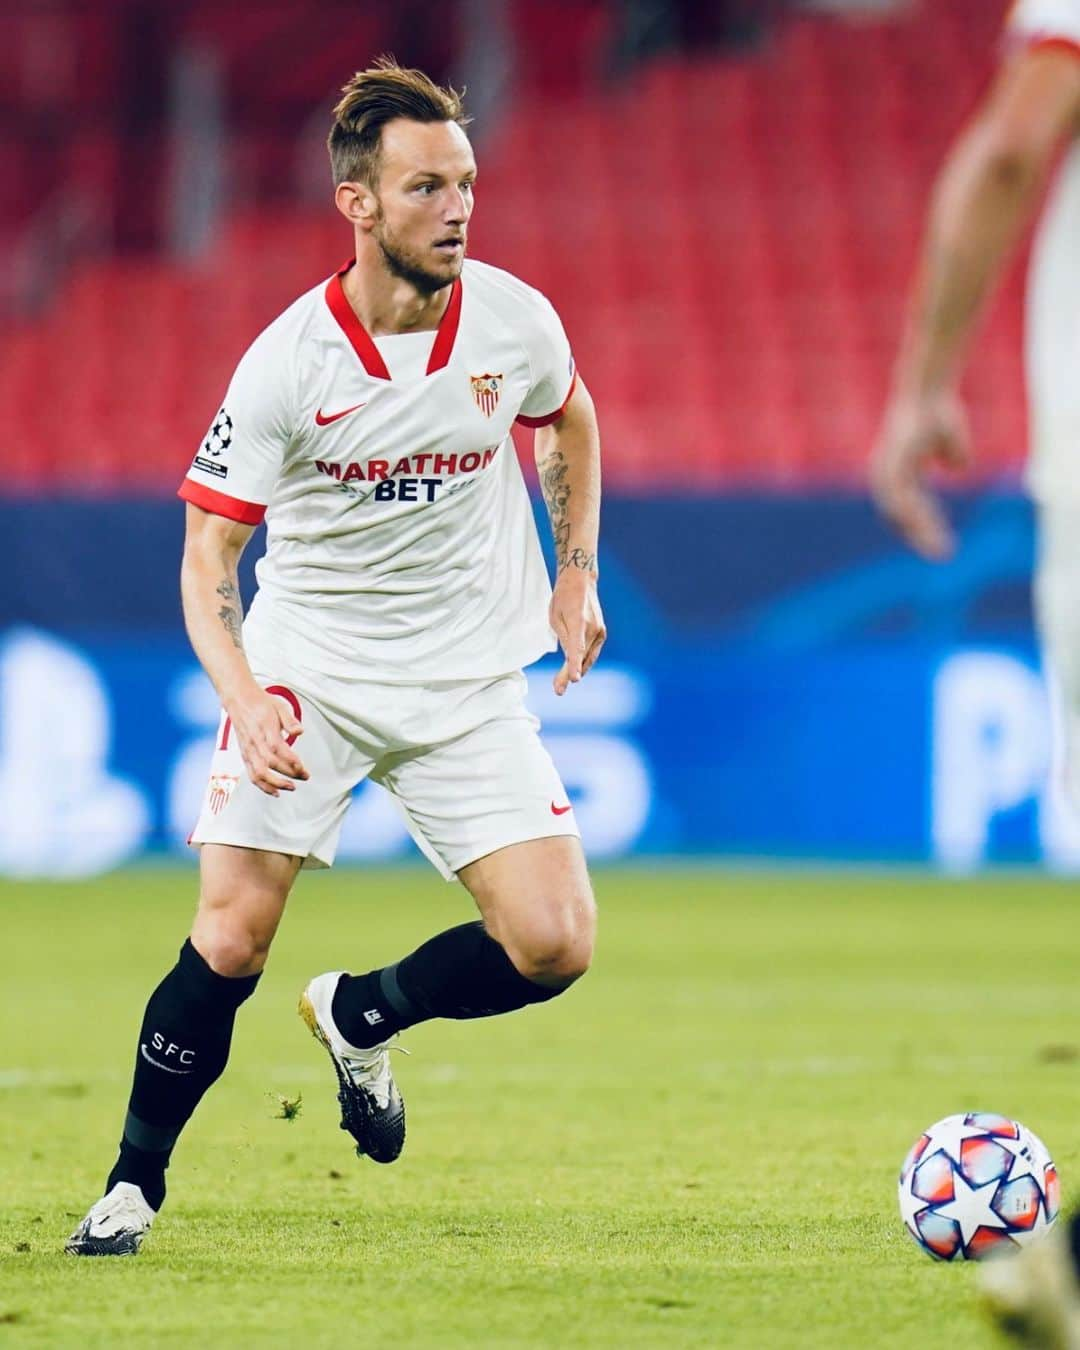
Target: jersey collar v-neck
pixel 361 341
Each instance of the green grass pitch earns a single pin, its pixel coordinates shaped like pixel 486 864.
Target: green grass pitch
pixel 698 1146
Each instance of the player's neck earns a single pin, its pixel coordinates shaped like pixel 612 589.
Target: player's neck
pixel 387 304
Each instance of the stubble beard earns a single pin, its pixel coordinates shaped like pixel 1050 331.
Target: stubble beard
pixel 405 264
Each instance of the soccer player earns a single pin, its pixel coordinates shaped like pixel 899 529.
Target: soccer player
pixel 402 591
pixel 989 189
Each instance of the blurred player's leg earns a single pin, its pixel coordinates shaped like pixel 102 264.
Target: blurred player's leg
pixel 1034 1295
pixel 1057 581
pixel 186 1033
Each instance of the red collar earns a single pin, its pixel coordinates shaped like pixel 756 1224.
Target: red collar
pixel 360 338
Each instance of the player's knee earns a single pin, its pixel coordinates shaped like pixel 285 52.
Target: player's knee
pixel 555 947
pixel 241 900
pixel 230 948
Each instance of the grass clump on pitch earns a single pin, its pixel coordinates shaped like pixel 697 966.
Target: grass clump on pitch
pixel 698 1146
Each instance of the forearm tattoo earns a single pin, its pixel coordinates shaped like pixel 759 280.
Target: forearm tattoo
pixel 230 613
pixel 556 490
pixel 555 485
pixel 578 557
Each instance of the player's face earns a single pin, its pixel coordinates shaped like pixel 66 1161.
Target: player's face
pixel 425 199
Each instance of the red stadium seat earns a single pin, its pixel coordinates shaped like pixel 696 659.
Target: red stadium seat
pixel 729 242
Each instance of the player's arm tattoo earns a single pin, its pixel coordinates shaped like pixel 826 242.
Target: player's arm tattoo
pixel 555 485
pixel 578 557
pixel 230 612
pixel 556 490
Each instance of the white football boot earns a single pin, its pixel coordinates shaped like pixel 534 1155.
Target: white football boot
pixel 371 1107
pixel 115 1226
pixel 1033 1295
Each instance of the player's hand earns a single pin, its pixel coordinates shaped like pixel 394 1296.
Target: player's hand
pixel 578 622
pixel 918 433
pixel 263 725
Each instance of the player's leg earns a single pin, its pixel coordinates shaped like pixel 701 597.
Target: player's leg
pixel 487 806
pixel 537 905
pixel 186 1032
pixel 1058 619
pixel 1033 1295
pixel 534 940
pixel 187 1028
pixel 252 846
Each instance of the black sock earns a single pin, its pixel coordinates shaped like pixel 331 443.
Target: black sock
pixel 459 974
pixel 183 1048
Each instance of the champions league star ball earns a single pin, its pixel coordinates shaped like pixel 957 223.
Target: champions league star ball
pixel 219 437
pixel 976 1185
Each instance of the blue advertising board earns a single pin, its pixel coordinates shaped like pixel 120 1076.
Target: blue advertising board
pixel 782 680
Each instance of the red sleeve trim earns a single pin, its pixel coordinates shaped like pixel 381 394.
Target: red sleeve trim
pixel 550 417
pixel 1052 42
pixel 219 504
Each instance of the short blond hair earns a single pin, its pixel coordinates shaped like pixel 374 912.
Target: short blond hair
pixel 374 97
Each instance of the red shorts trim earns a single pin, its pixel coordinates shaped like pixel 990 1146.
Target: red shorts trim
pixel 220 504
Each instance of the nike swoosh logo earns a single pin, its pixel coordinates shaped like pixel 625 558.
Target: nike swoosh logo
pixel 559 810
pixel 158 1065
pixel 324 419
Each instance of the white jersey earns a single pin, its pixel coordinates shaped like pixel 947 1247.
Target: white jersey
pixel 1053 298
pixel 401 545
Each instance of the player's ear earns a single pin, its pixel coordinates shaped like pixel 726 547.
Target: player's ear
pixel 357 203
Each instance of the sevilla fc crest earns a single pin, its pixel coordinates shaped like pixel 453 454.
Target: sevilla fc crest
pixel 220 790
pixel 486 390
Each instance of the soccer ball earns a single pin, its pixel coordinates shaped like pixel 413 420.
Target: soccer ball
pixel 977 1184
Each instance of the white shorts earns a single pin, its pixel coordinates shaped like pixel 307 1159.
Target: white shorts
pixel 463 759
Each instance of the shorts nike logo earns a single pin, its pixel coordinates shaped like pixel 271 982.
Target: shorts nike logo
pixel 324 419
pixel 559 810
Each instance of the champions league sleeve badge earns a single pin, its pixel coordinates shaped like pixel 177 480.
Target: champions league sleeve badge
pixel 485 391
